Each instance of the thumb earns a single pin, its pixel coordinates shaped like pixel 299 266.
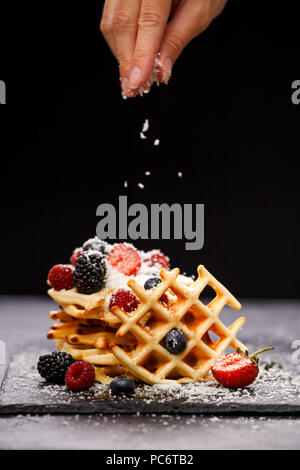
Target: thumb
pixel 190 19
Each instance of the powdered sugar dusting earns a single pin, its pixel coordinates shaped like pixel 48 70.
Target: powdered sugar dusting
pixel 116 280
pixel 23 384
pixel 154 77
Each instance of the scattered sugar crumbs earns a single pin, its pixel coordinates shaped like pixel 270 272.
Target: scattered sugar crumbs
pixel 23 384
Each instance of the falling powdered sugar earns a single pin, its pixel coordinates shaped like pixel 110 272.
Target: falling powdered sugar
pixel 145 129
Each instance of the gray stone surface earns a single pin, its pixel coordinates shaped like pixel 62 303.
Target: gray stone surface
pixel 148 432
pixel 24 322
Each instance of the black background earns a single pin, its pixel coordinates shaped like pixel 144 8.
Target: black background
pixel 226 120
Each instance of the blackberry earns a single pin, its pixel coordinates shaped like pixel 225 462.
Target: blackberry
pixel 90 271
pixel 53 367
pixel 95 244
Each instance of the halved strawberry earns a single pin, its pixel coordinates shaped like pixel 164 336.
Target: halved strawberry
pixel 157 258
pixel 125 258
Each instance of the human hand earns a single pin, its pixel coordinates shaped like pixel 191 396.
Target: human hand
pixel 145 44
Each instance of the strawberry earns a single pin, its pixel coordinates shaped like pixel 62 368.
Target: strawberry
pixel 157 258
pixel 237 369
pixel 125 258
pixel 75 255
pixel 61 276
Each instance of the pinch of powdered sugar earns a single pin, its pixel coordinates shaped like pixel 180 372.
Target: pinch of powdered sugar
pixel 154 77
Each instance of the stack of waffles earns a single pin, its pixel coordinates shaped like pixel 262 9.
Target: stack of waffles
pixel 118 342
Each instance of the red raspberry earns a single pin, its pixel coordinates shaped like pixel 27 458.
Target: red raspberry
pixel 158 258
pixel 61 276
pixel 76 253
pixel 124 299
pixel 164 299
pixel 125 258
pixel 80 375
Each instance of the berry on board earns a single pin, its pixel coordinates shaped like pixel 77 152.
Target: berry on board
pixel 61 276
pixel 53 367
pixel 237 369
pixel 122 386
pixel 80 375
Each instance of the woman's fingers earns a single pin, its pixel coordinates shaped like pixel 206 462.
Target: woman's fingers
pixel 190 19
pixel 125 22
pixel 106 24
pixel 136 30
pixel 152 22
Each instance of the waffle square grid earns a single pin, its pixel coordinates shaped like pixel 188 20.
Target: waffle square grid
pixel 152 320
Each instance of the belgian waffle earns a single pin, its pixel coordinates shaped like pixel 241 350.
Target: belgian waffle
pixel 149 360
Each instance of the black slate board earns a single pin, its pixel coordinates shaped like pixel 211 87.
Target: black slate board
pixel 275 392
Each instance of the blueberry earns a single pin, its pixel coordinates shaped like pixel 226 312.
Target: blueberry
pixel 152 282
pixel 122 386
pixel 175 341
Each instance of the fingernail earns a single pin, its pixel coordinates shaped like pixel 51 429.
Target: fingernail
pixel 167 70
pixel 135 77
pixel 147 88
pixel 125 86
